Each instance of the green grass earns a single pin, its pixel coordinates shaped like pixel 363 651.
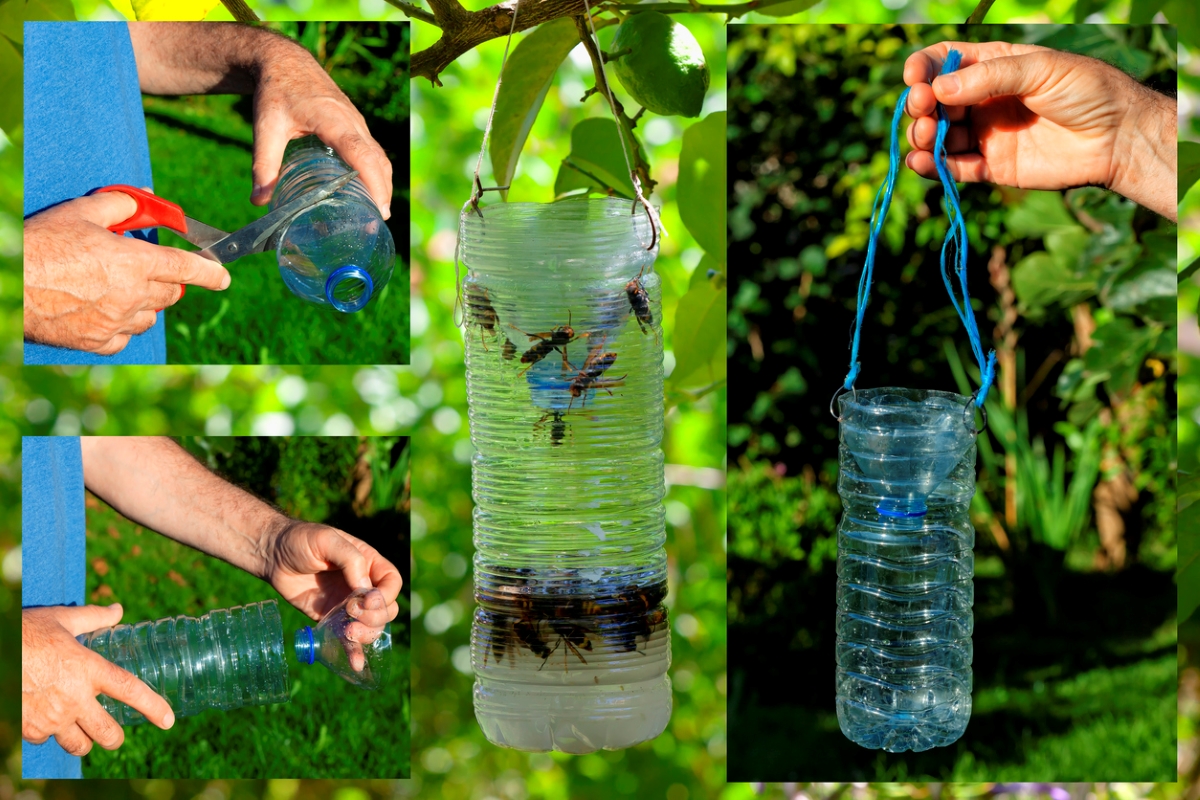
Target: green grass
pixel 200 149
pixel 330 729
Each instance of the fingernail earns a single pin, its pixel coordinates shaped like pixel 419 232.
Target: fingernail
pixel 226 281
pixel 257 190
pixel 387 211
pixel 948 83
pixel 169 719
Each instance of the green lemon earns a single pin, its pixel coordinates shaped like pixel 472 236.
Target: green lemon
pixel 660 64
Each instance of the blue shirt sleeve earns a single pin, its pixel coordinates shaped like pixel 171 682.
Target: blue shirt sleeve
pixel 53 557
pixel 84 128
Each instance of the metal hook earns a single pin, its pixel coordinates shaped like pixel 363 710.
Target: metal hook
pixel 968 411
pixel 833 399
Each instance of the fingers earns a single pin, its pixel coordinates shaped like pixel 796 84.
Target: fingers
pixel 170 265
pixel 1020 75
pixel 364 154
pixel 162 295
pixel 105 209
pixel 386 579
pixel 74 740
pixel 922 135
pixel 130 690
pixel 100 727
pixel 85 619
pixel 354 653
pixel 967 167
pixel 270 139
pixel 330 546
pixel 371 609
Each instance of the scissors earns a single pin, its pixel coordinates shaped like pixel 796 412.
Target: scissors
pixel 257 237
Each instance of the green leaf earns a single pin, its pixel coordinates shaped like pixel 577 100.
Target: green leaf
pixel 699 339
pixel 1185 16
pixel 1146 287
pixel 1189 166
pixel 1039 213
pixel 1084 8
pixel 50 10
pixel 1142 11
pixel 701 187
pixel 1190 270
pixel 12 17
pixel 788 8
pixel 528 74
pixel 707 264
pixel 1188 576
pixel 596 162
pixel 11 89
pixel 1118 352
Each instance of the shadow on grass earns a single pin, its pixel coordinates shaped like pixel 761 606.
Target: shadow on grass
pixel 1054 698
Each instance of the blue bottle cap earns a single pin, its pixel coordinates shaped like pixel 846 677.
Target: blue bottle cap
pixel 306 651
pixel 355 285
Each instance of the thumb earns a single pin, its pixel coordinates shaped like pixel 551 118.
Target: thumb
pixel 85 619
pixel 335 549
pixel 1007 76
pixel 104 209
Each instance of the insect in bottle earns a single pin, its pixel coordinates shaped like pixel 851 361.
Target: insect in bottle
pixel 573 637
pixel 639 302
pixel 556 339
pixel 590 376
pixel 558 426
pixel 480 312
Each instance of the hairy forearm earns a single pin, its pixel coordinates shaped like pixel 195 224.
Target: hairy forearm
pixel 1147 159
pixel 156 483
pixel 202 58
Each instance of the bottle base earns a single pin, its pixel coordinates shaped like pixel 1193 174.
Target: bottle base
pixel 572 719
pixel 898 732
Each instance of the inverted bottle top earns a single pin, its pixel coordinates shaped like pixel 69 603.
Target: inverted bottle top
pixel 905 441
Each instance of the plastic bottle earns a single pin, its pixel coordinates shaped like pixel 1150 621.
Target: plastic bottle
pixel 905 565
pixel 570 644
pixel 340 252
pixel 359 655
pixel 228 658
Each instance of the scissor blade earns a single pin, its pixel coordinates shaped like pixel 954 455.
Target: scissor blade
pixel 202 235
pixel 261 234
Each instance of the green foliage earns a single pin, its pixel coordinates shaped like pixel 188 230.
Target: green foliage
pixel 777 517
pixel 596 162
pixel 1189 166
pixel 330 728
pixel 660 64
pixel 1188 576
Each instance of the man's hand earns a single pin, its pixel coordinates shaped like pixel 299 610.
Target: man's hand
pixel 315 567
pixel 1036 118
pixel 60 679
pixel 294 97
pixel 89 289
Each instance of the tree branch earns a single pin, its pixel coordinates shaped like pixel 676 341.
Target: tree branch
pixel 980 12
pixel 624 123
pixel 240 11
pixel 464 30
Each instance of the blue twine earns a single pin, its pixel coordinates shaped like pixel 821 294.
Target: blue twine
pixel 954 247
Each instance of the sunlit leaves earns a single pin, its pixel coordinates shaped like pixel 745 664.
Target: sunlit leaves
pixel 1188 575
pixel 178 10
pixel 1189 166
pixel 527 77
pixel 700 336
pixel 701 187
pixel 596 162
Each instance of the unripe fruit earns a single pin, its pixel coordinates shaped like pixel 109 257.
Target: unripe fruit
pixel 660 64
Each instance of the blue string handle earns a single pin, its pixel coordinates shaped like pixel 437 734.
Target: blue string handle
pixel 954 247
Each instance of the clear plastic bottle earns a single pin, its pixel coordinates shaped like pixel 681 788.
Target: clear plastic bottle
pixel 357 653
pixel 905 566
pixel 570 644
pixel 226 659
pixel 340 252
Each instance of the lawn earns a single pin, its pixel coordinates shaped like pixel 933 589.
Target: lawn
pixel 200 149
pixel 329 729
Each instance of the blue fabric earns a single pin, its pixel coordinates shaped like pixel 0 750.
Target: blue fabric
pixel 84 129
pixel 52 558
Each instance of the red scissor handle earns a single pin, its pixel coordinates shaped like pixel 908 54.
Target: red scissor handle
pixel 152 212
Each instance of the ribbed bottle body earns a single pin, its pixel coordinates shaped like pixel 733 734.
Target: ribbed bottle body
pixel 565 390
pixel 340 252
pixel 226 659
pixel 905 573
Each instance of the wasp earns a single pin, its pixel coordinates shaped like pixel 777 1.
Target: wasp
pixel 481 312
pixel 544 343
pixel 558 426
pixel 509 350
pixel 590 377
pixel 573 638
pixel 639 302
